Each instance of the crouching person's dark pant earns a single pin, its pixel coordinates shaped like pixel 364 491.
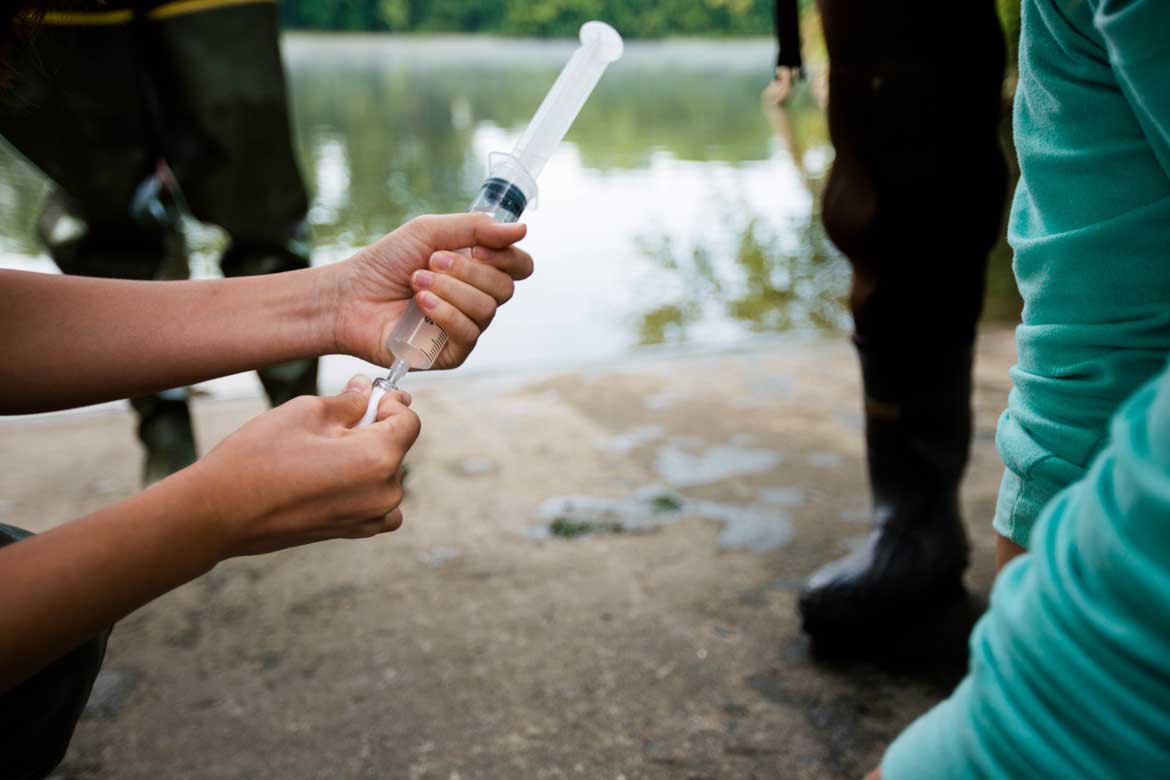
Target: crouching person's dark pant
pixel 38 716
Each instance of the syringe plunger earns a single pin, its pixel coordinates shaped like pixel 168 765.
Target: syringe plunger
pixel 600 45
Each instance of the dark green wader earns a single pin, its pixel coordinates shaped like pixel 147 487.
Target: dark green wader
pixel 210 101
pixel 97 107
pixel 915 201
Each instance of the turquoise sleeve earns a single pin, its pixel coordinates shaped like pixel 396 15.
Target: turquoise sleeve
pixel 1089 226
pixel 1137 37
pixel 1070 667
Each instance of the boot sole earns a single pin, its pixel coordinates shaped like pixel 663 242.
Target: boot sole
pixel 852 630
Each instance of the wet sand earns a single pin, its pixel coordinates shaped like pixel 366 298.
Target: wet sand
pixel 597 579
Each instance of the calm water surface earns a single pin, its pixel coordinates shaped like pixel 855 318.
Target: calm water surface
pixel 679 211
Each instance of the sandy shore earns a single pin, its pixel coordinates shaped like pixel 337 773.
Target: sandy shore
pixel 478 643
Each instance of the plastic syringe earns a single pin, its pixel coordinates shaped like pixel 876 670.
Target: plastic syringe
pixel 416 340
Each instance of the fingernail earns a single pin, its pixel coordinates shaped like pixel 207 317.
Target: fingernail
pixel 358 383
pixel 479 253
pixel 442 262
pixel 423 279
pixel 427 300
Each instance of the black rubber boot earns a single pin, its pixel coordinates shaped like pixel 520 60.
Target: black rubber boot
pixel 164 427
pixel 917 436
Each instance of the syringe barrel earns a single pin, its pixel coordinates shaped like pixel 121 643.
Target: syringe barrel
pixel 507 191
pixel 504 195
pixel 416 338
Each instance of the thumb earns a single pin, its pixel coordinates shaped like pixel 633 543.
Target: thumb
pixel 460 231
pixel 348 406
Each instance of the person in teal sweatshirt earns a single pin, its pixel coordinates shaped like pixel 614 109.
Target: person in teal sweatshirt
pixel 1070 668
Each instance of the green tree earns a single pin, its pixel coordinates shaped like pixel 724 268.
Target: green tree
pixel 539 18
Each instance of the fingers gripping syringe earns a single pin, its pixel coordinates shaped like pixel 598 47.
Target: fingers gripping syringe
pixel 416 340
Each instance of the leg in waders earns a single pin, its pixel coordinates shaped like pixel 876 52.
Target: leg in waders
pixel 915 201
pixel 108 104
pixel 77 110
pixel 226 134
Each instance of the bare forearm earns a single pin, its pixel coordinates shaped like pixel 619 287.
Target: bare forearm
pixel 63 586
pixel 70 341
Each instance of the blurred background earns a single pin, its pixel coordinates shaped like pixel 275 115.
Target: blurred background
pixel 682 209
pixel 614 501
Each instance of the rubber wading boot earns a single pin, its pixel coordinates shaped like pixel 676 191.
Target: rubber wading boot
pixel 164 427
pixel 917 436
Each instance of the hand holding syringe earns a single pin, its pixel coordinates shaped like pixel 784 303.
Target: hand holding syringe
pixel 511 184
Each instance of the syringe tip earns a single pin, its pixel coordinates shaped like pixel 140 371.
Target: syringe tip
pixel 381 387
pixel 397 371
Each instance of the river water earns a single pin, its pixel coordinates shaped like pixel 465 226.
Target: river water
pixel 681 210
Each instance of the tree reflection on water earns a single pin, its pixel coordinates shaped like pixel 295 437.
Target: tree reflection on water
pixel 773 283
pixel 780 276
pixel 675 212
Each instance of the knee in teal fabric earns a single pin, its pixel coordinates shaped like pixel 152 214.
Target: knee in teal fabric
pixel 1070 670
